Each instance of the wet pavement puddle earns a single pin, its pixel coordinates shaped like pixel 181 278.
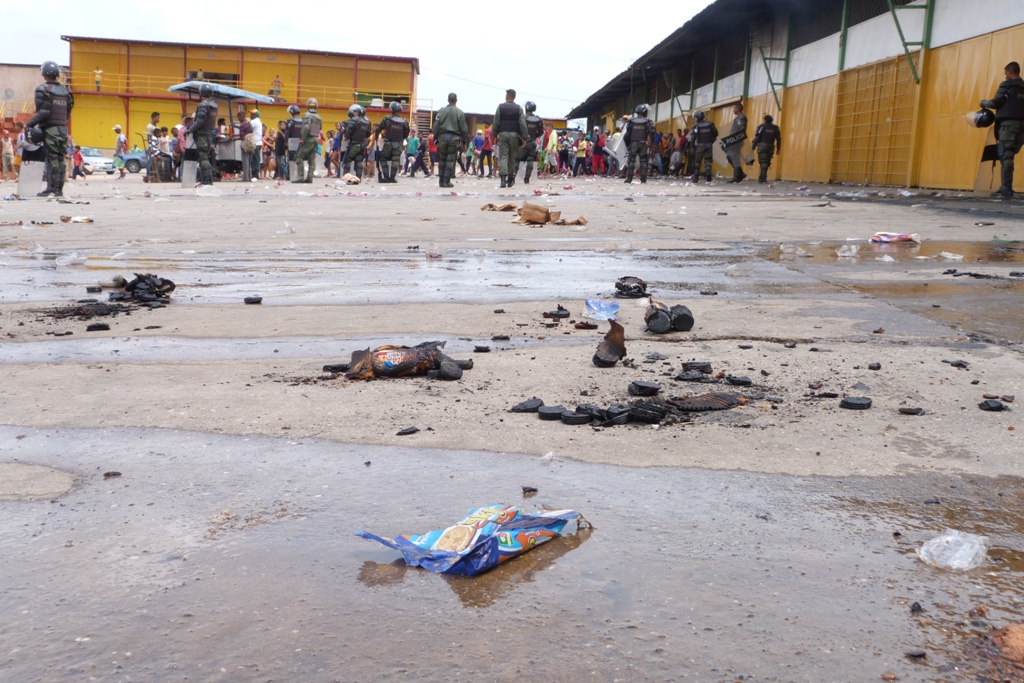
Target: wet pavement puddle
pixel 220 558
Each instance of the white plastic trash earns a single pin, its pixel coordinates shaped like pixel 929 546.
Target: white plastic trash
pixel 955 550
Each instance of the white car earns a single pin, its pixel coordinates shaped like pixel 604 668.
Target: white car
pixel 96 162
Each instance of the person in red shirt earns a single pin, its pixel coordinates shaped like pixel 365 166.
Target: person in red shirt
pixel 77 162
pixel 597 159
pixel 432 151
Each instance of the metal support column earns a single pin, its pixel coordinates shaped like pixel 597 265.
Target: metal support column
pixel 844 27
pixel 929 9
pixel 693 82
pixel 714 78
pixel 771 79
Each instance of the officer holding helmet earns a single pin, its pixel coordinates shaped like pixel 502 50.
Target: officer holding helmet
pixel 293 134
pixel 639 130
pixel 309 137
pixel 204 132
pixel 702 137
pixel 1009 105
pixel 53 111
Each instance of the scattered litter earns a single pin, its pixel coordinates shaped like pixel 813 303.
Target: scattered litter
pixel 630 287
pixel 613 348
pixel 954 550
pixel 886 259
pixel 911 411
pixel 560 312
pixel 488 536
pixel 498 207
pixel 336 368
pixel 401 361
pixel 76 219
pixel 407 431
pixel 287 230
pixel 253 299
pixel 7 224
pixel 708 292
pixel 350 179
pixel 906 193
pixel 147 289
pixel 208 191
pixel 97 327
pixel 874 366
pixel 950 256
pixel 848 250
pixel 72 259
pixel 855 403
pixel 112 474
pixel 983 224
pixel 93 289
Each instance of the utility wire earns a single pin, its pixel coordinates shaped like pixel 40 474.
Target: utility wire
pixel 495 87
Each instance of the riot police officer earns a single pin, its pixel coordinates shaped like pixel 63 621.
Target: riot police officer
pixel 395 130
pixel 1009 105
pixel 528 152
pixel 733 150
pixel 53 111
pixel 204 131
pixel 450 129
pixel 510 125
pixel 768 142
pixel 309 137
pixel 639 130
pixel 355 134
pixel 703 136
pixel 293 133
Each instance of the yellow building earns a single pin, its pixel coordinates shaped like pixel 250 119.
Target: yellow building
pixel 125 81
pixel 865 91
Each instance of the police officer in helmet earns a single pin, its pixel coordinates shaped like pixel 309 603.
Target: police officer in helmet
pixel 449 129
pixel 528 152
pixel 639 130
pixel 703 138
pixel 395 129
pixel 309 137
pixel 203 131
pixel 355 133
pixel 53 111
pixel 1009 105
pixel 293 133
pixel 768 142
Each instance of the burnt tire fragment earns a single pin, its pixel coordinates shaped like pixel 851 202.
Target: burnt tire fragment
pixel 991 405
pixel 570 417
pixel 705 402
pixel 529 406
pixel 550 413
pixel 658 318
pixel 648 412
pixel 855 403
pixel 639 388
pixel 613 348
pixel 682 318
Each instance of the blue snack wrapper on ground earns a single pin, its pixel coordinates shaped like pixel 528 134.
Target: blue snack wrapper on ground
pixel 601 310
pixel 488 536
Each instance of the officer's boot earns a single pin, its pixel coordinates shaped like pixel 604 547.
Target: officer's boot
pixel 1006 189
pixel 441 170
pixel 629 175
pixel 300 172
pixel 529 172
pixel 763 178
pixel 504 183
pixel 643 175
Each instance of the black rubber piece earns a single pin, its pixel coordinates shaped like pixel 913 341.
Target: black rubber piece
pixel 708 292
pixel 407 431
pixel 449 369
pixel 990 405
pixel 745 347
pixel 639 388
pixel 911 411
pixel 630 287
pixel 93 289
pixel 790 345
pixel 97 327
pixel 529 490
pixel 253 299
pixel 87 301
pixel 481 349
pixel 500 337
pixel 682 318
pixel 874 366
pixel 698 366
pixel 560 313
pixel 739 381
pixel 651 413
pixel 336 367
pixel 659 322
pixel 529 406
pixel 855 403
pixel 593 411
pixel 570 417
pixel 550 412
pixel 465 364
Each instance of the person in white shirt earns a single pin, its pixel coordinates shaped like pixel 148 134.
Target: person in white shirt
pixel 257 135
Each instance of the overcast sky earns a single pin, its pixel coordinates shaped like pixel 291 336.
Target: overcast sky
pixel 561 53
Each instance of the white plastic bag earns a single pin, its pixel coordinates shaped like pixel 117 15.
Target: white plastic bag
pixel 954 550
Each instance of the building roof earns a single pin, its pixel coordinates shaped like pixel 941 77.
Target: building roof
pixel 720 18
pixel 384 58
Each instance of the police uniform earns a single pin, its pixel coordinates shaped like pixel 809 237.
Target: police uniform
pixel 449 129
pixel 53 111
pixel 510 126
pixel 638 132
pixel 528 152
pixel 357 131
pixel 732 152
pixel 293 130
pixel 309 137
pixel 204 130
pixel 704 135
pixel 1009 105
pixel 767 141
pixel 395 130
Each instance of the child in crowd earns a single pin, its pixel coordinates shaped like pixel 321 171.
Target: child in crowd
pixel 77 171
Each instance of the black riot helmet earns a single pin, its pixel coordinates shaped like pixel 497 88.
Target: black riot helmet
pixel 206 90
pixel 983 118
pixel 641 110
pixel 50 69
pixel 698 115
pixel 36 135
pixel 531 107
pixel 396 107
pixel 361 110
pixel 294 110
pixel 768 118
